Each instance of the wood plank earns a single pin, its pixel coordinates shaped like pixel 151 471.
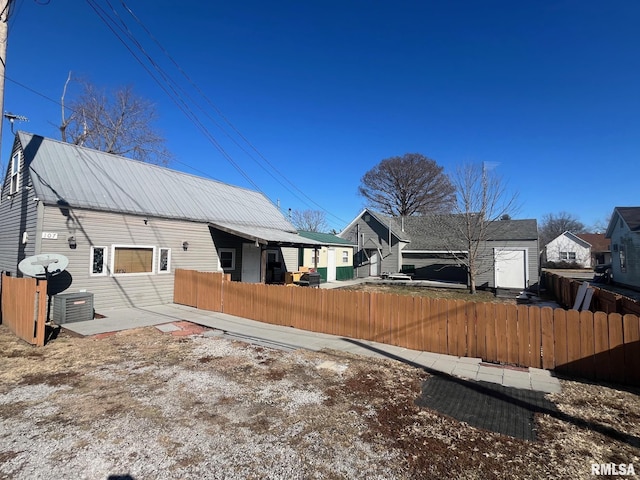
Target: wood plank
pixel 461 324
pixel 511 334
pixel 490 332
pixel 472 335
pixel 444 308
pixel 582 290
pixel 481 331
pixel 631 331
pixel 587 345
pixel 573 343
pixel 616 347
pixel 501 333
pixel 524 342
pixel 548 331
pixel 601 346
pixel 452 328
pixel 560 339
pixel 535 338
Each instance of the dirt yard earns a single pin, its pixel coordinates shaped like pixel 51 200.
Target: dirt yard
pixel 143 404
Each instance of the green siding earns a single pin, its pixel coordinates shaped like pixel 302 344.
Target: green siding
pixel 344 273
pixel 323 273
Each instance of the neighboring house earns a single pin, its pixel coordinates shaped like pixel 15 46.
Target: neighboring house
pixel 126 226
pixel 624 233
pixel 600 247
pixel 421 246
pixel 569 248
pixel 334 261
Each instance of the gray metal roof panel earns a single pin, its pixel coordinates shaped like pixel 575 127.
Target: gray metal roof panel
pixel 266 234
pixel 63 173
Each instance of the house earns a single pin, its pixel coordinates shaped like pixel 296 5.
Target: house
pixel 423 246
pixel 126 226
pixel 600 248
pixel 568 248
pixel 624 233
pixel 333 261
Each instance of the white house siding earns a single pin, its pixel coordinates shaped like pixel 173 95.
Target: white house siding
pixel 564 243
pixel 289 259
pixel 18 215
pixel 104 229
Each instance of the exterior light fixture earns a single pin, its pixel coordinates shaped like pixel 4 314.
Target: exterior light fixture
pixel 185 245
pixel 72 243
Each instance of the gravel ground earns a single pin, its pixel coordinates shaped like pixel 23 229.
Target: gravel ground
pixel 143 404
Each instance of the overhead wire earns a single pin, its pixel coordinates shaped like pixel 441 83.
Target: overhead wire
pixel 226 120
pixel 177 94
pixel 176 98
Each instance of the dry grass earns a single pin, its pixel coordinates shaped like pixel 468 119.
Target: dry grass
pixel 447 293
pixel 152 405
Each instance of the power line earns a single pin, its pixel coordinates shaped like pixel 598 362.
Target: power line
pixel 226 120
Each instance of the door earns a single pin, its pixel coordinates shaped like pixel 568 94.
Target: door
pixel 331 265
pixel 374 265
pixel 510 268
pixel 250 263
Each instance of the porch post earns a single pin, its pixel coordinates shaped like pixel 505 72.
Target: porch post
pixel 263 264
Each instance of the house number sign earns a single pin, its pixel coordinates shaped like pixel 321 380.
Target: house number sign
pixel 50 235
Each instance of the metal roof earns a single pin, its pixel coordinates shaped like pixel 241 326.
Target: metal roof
pixel 266 235
pixel 325 238
pixel 69 175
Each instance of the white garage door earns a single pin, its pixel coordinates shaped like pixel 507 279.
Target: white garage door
pixel 511 268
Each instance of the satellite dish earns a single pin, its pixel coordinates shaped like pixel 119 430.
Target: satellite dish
pixel 44 265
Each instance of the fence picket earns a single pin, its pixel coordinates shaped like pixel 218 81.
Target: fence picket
pixel 631 331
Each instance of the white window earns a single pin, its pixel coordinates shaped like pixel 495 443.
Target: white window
pixel 227 259
pixel 164 260
pixel 15 173
pixel 345 256
pixel 98 261
pixel 132 260
pixel 315 257
pixel 623 259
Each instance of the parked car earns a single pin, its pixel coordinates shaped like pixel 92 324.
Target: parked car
pixel 603 273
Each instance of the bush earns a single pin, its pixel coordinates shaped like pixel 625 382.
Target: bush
pixel 561 265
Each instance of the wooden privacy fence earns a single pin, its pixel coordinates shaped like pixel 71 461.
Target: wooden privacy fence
pixel 565 291
pixel 24 307
pixel 596 346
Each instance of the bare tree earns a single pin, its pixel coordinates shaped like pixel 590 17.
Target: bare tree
pixel 309 220
pixel 408 185
pixel 553 225
pixel 482 213
pixel 120 123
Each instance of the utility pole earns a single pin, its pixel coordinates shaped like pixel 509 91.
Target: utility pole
pixel 5 6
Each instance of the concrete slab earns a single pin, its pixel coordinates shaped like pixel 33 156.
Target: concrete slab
pixel 485 377
pixel 547 387
pixel 168 327
pixel 522 382
pixel 444 366
pixel 465 371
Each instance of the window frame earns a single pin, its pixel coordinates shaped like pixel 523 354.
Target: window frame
pixel 345 256
pixel 168 270
pixel 233 258
pixel 14 182
pixel 623 259
pixel 104 261
pixel 133 274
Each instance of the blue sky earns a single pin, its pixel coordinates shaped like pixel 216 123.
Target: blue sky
pixel 548 90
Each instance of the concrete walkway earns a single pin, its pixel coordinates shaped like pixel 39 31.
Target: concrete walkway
pixel 288 338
